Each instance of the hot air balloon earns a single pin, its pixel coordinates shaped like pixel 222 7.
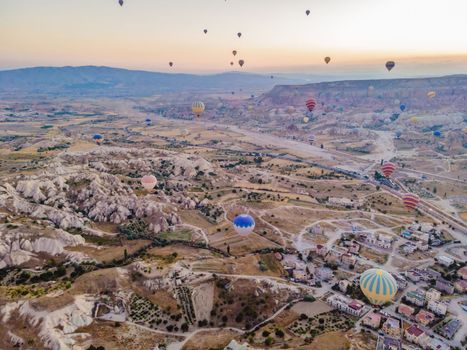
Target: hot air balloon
pixel 244 224
pixel 311 104
pixel 241 63
pixel 198 108
pixel 378 286
pixel 371 88
pixel 98 139
pixel 397 102
pixel 306 119
pixel 171 64
pixel 205 31
pixel 402 106
pixel 431 94
pixel 388 169
pixel 239 34
pixel 398 134
pixel 307 12
pixel 231 63
pixel 414 120
pixel 390 65
pixel 120 2
pixel 148 121
pixel 327 59
pixel 410 200
pixel 272 76
pixel 148 182
pixel 437 133
pixel 234 52
pixel 311 139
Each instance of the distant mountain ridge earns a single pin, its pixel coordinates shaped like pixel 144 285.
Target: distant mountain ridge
pixel 115 82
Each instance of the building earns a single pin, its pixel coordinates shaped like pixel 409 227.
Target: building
pixel 405 310
pixel 432 295
pixel 408 248
pixel 384 241
pixel 388 343
pixel 436 344
pixel 342 303
pixel 354 248
pixel 343 285
pixel 300 275
pixel 444 286
pixel 414 275
pixel 406 234
pixel 425 317
pixel 415 298
pixel 460 286
pixel 415 334
pixel 462 273
pixel 321 250
pixel 341 202
pixel 372 319
pixel 438 307
pixel 348 259
pixel 450 328
pixel 392 327
pixel 445 261
pixel 333 257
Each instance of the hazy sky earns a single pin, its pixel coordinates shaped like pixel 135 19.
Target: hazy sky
pixel 423 36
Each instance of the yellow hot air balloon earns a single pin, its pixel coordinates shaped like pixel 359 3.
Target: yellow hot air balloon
pixel 414 120
pixel 378 286
pixel 250 108
pixel 197 108
pixel 306 119
pixel 431 94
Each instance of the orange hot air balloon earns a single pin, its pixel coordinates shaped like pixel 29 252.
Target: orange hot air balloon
pixel 388 169
pixel 410 200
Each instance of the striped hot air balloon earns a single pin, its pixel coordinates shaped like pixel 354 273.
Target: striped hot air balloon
pixel 311 104
pixel 244 224
pixel 198 108
pixel 410 200
pixel 388 169
pixel 378 286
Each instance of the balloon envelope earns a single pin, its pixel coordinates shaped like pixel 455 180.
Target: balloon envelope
pixel 241 63
pixel 437 133
pixel 327 59
pixel 431 94
pixel 234 52
pixel 390 65
pixel 148 182
pixel 410 200
pixel 402 107
pixel 307 12
pixel 378 286
pixel 388 169
pixel 198 108
pixel 311 104
pixel 244 224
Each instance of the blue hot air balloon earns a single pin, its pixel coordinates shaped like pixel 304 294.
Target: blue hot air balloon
pixel 378 286
pixel 98 138
pixel 148 121
pixel 402 107
pixel 398 134
pixel 244 224
pixel 437 133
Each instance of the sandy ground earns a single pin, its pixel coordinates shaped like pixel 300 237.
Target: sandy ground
pixel 203 298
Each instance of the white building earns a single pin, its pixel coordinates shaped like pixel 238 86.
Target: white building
pixel 444 260
pixel 432 295
pixel 342 303
pixel 437 307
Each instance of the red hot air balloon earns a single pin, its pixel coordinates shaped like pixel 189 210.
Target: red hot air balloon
pixel 388 169
pixel 410 200
pixel 390 65
pixel 311 104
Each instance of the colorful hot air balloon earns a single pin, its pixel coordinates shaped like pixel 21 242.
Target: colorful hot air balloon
pixel 410 200
pixel 148 182
pixel 234 52
pixel 198 108
pixel 98 139
pixel 378 286
pixel 241 63
pixel 148 121
pixel 307 12
pixel 390 65
pixel 431 94
pixel 437 133
pixel 402 106
pixel 244 224
pixel 388 169
pixel 327 59
pixel 311 104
